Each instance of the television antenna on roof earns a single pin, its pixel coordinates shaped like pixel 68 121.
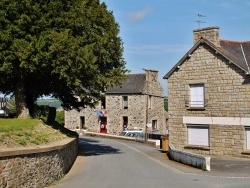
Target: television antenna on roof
pixel 199 20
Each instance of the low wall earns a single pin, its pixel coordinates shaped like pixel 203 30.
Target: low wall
pixel 37 167
pixel 149 141
pixel 191 159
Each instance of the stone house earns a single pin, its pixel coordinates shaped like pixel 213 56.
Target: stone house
pixel 133 104
pixel 209 100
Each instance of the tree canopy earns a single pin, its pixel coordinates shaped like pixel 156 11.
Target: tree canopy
pixel 62 48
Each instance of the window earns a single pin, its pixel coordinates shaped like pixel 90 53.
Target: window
pixel 198 135
pixel 103 101
pixel 154 125
pixel 82 122
pixel 149 102
pixel 247 138
pixel 197 95
pixel 125 102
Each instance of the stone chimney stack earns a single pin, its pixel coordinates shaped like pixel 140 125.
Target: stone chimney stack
pixel 210 33
pixel 151 75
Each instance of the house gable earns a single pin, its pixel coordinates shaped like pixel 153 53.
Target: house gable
pixel 233 51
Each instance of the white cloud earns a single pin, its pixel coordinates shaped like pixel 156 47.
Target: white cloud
pixel 139 15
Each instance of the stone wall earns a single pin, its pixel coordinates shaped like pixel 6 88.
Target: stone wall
pixel 156 109
pixel 210 33
pixel 136 112
pixel 72 118
pixel 227 95
pixel 37 167
pixel 139 111
pixel 157 112
pixel 230 137
pixel 152 86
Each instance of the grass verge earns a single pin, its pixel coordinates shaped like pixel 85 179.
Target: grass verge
pixel 16 133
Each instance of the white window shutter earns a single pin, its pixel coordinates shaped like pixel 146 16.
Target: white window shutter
pixel 248 138
pixel 125 102
pixel 198 135
pixel 197 95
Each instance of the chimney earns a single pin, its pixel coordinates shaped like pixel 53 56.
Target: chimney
pixel 151 75
pixel 209 33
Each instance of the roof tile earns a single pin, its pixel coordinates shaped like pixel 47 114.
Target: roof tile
pixel 236 51
pixel 133 84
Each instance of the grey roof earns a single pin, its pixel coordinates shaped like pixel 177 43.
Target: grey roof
pixel 134 83
pixel 236 52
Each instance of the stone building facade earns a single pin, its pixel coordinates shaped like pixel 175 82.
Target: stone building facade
pixel 86 118
pixel 144 104
pixel 135 103
pixel 209 101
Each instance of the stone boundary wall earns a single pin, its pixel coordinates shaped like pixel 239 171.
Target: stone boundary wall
pixel 149 141
pixel 37 167
pixel 190 159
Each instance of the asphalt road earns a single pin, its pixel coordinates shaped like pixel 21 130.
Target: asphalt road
pixel 107 163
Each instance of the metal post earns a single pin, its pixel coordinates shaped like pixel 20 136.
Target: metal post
pixel 146 127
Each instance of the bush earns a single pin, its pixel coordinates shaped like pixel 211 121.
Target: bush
pixel 60 117
pixel 41 111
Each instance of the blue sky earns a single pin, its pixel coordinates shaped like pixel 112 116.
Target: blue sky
pixel 157 33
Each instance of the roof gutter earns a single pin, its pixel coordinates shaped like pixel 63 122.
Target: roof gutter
pixel 245 58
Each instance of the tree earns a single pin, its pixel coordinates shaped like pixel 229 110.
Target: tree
pixel 166 103
pixel 59 48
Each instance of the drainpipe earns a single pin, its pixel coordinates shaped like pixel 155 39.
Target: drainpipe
pixel 146 127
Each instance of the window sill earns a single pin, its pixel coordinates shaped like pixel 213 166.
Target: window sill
pixel 205 148
pixel 247 152
pixel 196 108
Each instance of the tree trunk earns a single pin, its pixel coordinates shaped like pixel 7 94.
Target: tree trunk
pixel 30 102
pixel 21 106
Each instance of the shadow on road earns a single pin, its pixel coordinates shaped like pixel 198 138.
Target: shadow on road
pixel 91 147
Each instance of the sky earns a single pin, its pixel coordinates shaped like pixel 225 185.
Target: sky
pixel 156 34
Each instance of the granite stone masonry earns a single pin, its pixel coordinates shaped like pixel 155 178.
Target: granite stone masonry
pixel 223 116
pixel 145 106
pixel 37 167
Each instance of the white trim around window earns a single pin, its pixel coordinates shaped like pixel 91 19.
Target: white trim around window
pixel 198 135
pixel 216 120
